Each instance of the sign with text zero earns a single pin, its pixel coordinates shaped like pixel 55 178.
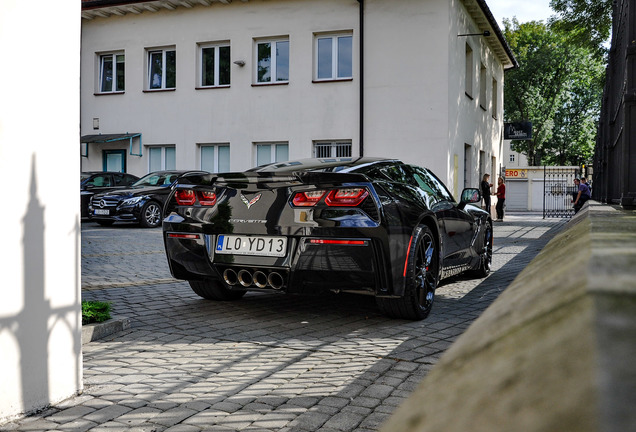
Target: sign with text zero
pixel 517 173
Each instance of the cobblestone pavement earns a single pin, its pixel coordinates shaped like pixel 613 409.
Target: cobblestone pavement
pixel 265 363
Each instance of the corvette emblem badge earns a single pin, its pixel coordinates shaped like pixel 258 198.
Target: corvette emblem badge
pixel 251 202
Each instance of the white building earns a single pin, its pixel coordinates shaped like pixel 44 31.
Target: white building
pixel 221 85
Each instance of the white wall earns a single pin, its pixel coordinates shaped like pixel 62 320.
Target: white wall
pixel 40 320
pixel 469 123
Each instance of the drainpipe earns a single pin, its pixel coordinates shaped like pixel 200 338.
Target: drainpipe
pixel 361 120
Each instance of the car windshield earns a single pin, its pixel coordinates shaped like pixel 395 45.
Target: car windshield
pixel 84 177
pixel 157 179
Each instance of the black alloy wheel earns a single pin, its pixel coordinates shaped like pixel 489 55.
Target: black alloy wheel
pixel 214 290
pixel 422 278
pixel 485 256
pixel 150 215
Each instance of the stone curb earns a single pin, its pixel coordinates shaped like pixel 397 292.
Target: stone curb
pixel 95 331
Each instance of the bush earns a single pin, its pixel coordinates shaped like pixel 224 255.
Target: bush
pixel 95 311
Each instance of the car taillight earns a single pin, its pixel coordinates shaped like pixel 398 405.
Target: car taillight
pixel 307 199
pixel 185 197
pixel 207 198
pixel 346 197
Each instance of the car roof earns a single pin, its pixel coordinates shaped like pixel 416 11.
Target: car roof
pixel 322 164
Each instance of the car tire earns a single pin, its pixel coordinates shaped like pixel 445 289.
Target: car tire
pixel 485 256
pixel 214 290
pixel 105 223
pixel 150 216
pixel 422 278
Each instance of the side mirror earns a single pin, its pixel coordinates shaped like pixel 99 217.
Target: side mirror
pixel 469 195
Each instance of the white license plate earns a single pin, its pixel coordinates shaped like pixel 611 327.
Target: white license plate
pixel 101 212
pixel 251 245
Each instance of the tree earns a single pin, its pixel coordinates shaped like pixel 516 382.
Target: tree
pixel 558 87
pixel 585 23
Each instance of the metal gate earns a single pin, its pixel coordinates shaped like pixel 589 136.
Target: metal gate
pixel 558 191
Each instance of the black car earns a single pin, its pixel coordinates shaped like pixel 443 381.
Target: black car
pixel 142 202
pixel 93 182
pixel 360 225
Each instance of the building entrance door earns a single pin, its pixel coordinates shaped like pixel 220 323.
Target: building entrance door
pixel 114 160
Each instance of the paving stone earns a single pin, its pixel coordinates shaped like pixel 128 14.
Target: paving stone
pixel 267 362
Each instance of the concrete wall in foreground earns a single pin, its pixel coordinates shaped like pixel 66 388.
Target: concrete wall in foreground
pixel 555 352
pixel 40 321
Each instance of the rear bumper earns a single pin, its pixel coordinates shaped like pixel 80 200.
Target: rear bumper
pixel 308 267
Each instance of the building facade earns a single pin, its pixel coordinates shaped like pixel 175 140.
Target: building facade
pixel 222 85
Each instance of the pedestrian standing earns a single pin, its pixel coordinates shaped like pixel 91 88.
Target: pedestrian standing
pixel 501 199
pixel 485 191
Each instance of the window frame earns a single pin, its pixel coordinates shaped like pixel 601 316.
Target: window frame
pixel 215 149
pixel 164 157
pixel 334 146
pixel 274 145
pixel 164 68
pixel 115 80
pixel 495 98
pixel 334 56
pixel 274 63
pixel 216 46
pixel 483 81
pixel 470 71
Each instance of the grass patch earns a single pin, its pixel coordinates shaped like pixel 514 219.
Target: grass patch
pixel 95 312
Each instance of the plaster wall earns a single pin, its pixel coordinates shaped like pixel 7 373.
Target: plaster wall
pixel 40 317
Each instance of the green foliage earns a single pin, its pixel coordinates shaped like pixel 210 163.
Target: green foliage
pixel 95 311
pixel 586 23
pixel 558 87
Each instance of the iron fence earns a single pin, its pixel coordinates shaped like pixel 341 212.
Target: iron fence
pixel 558 192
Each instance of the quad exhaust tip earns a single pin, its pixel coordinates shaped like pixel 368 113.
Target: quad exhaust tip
pixel 245 278
pixel 259 278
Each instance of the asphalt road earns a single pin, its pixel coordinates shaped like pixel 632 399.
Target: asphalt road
pixel 268 362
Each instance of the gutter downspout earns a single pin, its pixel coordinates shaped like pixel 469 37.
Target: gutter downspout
pixel 361 113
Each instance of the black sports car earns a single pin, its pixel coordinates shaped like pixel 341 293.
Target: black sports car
pixel 142 203
pixel 92 182
pixel 360 225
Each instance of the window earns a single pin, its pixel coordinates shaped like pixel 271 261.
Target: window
pixel 495 98
pixel 482 87
pixel 215 65
pixel 271 152
pixel 334 55
pixel 467 164
pixel 215 158
pixel 161 158
pixel 111 73
pixel 469 71
pixel 272 61
pixel 512 158
pixel 325 149
pixel 162 69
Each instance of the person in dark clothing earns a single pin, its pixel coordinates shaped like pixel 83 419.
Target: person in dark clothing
pixel 501 199
pixel 485 191
pixel 582 195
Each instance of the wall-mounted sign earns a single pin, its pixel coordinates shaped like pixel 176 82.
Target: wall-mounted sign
pixel 518 130
pixel 517 173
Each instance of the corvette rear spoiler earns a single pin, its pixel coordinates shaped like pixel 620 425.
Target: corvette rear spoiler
pixel 239 179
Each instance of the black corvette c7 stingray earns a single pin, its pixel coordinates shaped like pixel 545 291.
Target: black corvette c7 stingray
pixel 361 225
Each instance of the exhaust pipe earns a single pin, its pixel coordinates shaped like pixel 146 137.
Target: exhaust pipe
pixel 245 278
pixel 275 280
pixel 229 276
pixel 260 279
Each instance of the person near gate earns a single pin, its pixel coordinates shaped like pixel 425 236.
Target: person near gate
pixel 485 191
pixel 582 195
pixel 501 199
